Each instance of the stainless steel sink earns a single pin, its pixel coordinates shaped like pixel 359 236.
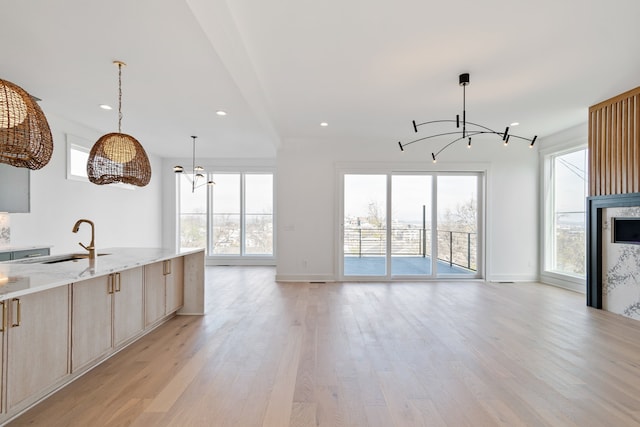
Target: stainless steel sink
pixel 66 258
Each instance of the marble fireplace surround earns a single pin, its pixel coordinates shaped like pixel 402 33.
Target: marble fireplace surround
pixel 598 236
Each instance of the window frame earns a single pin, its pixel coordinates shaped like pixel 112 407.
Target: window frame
pixel 393 170
pixel 547 211
pixel 75 143
pixel 241 258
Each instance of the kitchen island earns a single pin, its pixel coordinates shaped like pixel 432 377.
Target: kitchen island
pixel 64 314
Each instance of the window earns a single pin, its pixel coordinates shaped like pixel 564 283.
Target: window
pixel 565 230
pixel 77 157
pixel 193 214
pixel 233 218
pixel 258 215
pixel 225 215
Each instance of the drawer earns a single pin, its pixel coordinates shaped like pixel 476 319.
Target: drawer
pixel 30 253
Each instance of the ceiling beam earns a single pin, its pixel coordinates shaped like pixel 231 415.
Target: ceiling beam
pixel 218 24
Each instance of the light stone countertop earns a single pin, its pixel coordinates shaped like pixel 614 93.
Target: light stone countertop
pixel 26 276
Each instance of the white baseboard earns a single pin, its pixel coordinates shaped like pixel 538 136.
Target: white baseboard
pixel 310 278
pixel 214 261
pixel 513 278
pixel 572 285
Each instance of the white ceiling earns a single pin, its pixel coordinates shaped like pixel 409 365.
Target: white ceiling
pixel 280 67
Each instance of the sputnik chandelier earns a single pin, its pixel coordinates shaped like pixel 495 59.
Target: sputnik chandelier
pixel 197 171
pixel 469 129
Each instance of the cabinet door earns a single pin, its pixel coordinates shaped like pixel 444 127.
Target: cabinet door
pixel 175 285
pixel 37 344
pixel 128 313
pixel 4 307
pixel 91 325
pixel 154 293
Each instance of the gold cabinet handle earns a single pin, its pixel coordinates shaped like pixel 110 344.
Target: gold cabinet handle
pixel 113 284
pixel 18 312
pixel 167 267
pixel 4 316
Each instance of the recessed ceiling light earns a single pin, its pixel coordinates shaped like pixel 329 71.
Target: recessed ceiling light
pixel 514 124
pixel 106 107
pixel 324 124
pixel 221 113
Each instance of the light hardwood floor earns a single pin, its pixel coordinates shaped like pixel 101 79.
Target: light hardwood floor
pixel 367 354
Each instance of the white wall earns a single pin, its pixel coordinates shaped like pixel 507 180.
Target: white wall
pixel 123 218
pixel 307 200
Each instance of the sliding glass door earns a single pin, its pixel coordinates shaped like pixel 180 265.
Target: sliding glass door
pixel 411 225
pixel 411 211
pixel 365 225
pixel 457 231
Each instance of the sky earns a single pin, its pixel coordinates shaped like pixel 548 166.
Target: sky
pixel 571 181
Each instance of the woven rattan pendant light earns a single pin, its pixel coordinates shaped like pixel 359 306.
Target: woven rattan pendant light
pixel 118 157
pixel 25 137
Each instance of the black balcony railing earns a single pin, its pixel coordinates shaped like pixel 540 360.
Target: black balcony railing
pixel 454 247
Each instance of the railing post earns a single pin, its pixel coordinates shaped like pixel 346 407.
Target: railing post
pixel 450 248
pixel 424 231
pixel 469 251
pixel 359 242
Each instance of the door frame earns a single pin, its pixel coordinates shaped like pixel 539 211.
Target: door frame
pixel 403 169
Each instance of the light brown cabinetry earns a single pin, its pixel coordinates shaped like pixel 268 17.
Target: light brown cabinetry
pixel 154 296
pixel 91 334
pixel 51 336
pixel 107 311
pixel 174 285
pixel 4 307
pixel 164 289
pixel 36 341
pixel 128 308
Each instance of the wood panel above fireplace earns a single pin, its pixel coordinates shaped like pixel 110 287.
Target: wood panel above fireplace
pixel 614 145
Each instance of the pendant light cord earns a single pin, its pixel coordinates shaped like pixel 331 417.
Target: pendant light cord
pixel 119 98
pixel 193 167
pixel 464 111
